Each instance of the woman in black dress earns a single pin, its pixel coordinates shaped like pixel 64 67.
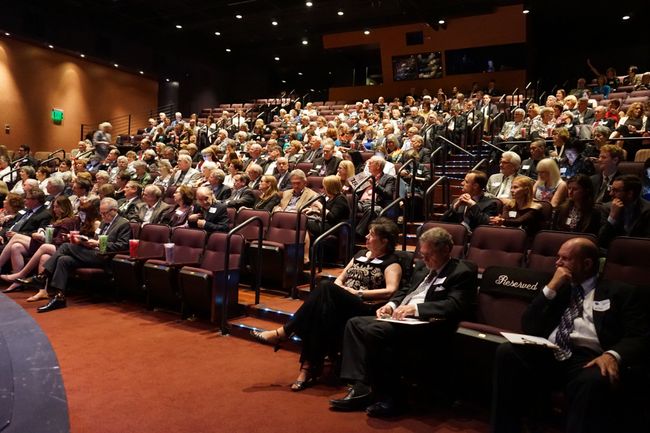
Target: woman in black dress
pixel 270 197
pixel 372 275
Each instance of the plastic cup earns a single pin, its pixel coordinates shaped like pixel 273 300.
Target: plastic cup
pixel 133 247
pixel 49 234
pixel 103 243
pixel 169 252
pixel 74 236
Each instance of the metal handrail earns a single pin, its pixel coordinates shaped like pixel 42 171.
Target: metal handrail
pixel 317 242
pixel 493 146
pixel 84 154
pixel 258 276
pixel 45 161
pixel 456 146
pixel 385 210
pixel 427 194
pixel 480 163
pixel 55 152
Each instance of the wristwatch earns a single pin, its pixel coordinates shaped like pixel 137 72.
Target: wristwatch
pixel 360 294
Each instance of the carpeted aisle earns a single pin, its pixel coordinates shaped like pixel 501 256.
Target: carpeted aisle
pixel 126 369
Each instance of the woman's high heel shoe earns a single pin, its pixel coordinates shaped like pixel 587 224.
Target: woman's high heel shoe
pixel 311 377
pixel 257 335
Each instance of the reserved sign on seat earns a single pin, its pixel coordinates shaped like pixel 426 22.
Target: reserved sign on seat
pixel 516 282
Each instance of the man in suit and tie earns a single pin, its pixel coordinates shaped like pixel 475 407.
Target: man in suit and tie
pixel 71 256
pixel 442 291
pixel 185 174
pixel 293 199
pixel 154 210
pixel 215 180
pixel 242 195
pixel 35 215
pixel 282 174
pixel 600 329
pixel 129 207
pixel 208 214
pixel 327 164
pixel 255 156
pixel 314 152
pixel 474 206
pixel 254 172
pixel 608 160
pixel 627 214
pixel 383 190
pixel 499 183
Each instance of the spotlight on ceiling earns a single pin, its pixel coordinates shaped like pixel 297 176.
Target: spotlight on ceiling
pixel 238 16
pixel 309 4
pixel 305 42
pixel 217 33
pixel 178 26
pixel 366 32
pixel 274 23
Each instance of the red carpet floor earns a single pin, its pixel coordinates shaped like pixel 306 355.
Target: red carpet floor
pixel 126 369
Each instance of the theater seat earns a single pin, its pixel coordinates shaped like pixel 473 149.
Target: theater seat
pixel 543 254
pixel 627 261
pixel 458 233
pixel 497 246
pixel 203 288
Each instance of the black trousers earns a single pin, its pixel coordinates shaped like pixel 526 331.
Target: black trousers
pixel 379 353
pixel 320 321
pixel 524 378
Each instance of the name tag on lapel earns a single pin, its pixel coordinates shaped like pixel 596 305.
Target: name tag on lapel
pixel 438 284
pixel 47 203
pixel 525 167
pixel 98 231
pixel 212 210
pixel 22 212
pixel 601 305
pixel 512 214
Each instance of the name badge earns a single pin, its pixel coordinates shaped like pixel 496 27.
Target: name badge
pixel 47 203
pixel 179 212
pixel 212 210
pixel 563 170
pixel 376 261
pixel 419 171
pixel 512 214
pixel 22 212
pixel 601 305
pixel 525 167
pixel 496 184
pixel 362 259
pixel 98 231
pixel 568 221
pixel 318 167
pixel 439 289
pixel 438 281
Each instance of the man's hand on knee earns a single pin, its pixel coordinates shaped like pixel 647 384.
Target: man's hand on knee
pixel 608 366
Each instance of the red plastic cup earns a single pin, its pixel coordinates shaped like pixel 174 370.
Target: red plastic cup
pixel 133 247
pixel 74 239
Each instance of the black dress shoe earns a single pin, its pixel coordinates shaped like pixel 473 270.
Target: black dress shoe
pixel 55 303
pixel 15 289
pixel 384 409
pixel 358 397
pixel 34 280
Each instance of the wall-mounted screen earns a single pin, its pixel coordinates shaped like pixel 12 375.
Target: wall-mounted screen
pixel 417 66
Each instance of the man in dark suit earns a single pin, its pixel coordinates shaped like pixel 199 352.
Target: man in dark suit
pixel 71 256
pixel 583 118
pixel 255 156
pixel 383 192
pixel 442 291
pixel 627 214
pixel 33 217
pixel 282 174
pixel 215 179
pixel 24 157
pixel 314 151
pixel 608 159
pixel 129 207
pixel 474 206
pixel 208 214
pixel 601 330
pixel 242 195
pixel 153 210
pixel 537 153
pixel 327 164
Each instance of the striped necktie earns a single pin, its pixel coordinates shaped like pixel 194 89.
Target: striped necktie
pixel 566 324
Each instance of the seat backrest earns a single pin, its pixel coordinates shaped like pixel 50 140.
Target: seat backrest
pixel 282 228
pixel 152 238
pixel 458 233
pixel 627 261
pixel 543 253
pixel 304 166
pixel 315 183
pixel 497 246
pixel 630 167
pixel 168 197
pixel 547 212
pixel 135 230
pixel 188 244
pixel 215 252
pixel 642 155
pixel 505 293
pixel 250 232
pixel 232 214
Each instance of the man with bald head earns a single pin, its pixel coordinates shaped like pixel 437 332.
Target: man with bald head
pixel 208 214
pixel 601 330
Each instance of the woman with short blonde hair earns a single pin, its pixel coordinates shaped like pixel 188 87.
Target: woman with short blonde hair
pixel 549 186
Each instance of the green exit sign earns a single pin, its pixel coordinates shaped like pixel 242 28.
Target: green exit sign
pixel 57 116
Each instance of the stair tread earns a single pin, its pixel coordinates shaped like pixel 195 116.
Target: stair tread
pixel 253 322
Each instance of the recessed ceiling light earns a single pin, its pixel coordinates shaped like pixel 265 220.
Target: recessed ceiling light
pixel 50 46
pixel 284 81
pixel 167 79
pixel 340 13
pixel 116 65
pixel 238 16
pixel 525 11
pixel 274 23
pixel 228 50
pixel 82 55
pixel 7 34
pixel 178 26
pixel 626 17
pixel 300 73
pixel 277 59
pixel 305 42
pixel 309 4
pixel 217 33
pixel 441 22
pixel 141 72
pixel 366 32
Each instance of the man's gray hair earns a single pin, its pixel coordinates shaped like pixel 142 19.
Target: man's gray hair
pixel 379 160
pixel 101 173
pixel 185 158
pixel 298 173
pixel 256 168
pixel 437 238
pixel 153 190
pixel 109 202
pixel 513 158
pixel 57 182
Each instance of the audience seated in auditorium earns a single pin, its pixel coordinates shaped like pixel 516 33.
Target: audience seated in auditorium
pixel 295 198
pixel 549 186
pixel 241 195
pixel 270 196
pixel 441 290
pixel 382 191
pixel 521 211
pixel 372 275
pixel 474 206
pixel 600 329
pixel 208 214
pixel 537 153
pixel 499 184
pixel 578 213
pixel 608 159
